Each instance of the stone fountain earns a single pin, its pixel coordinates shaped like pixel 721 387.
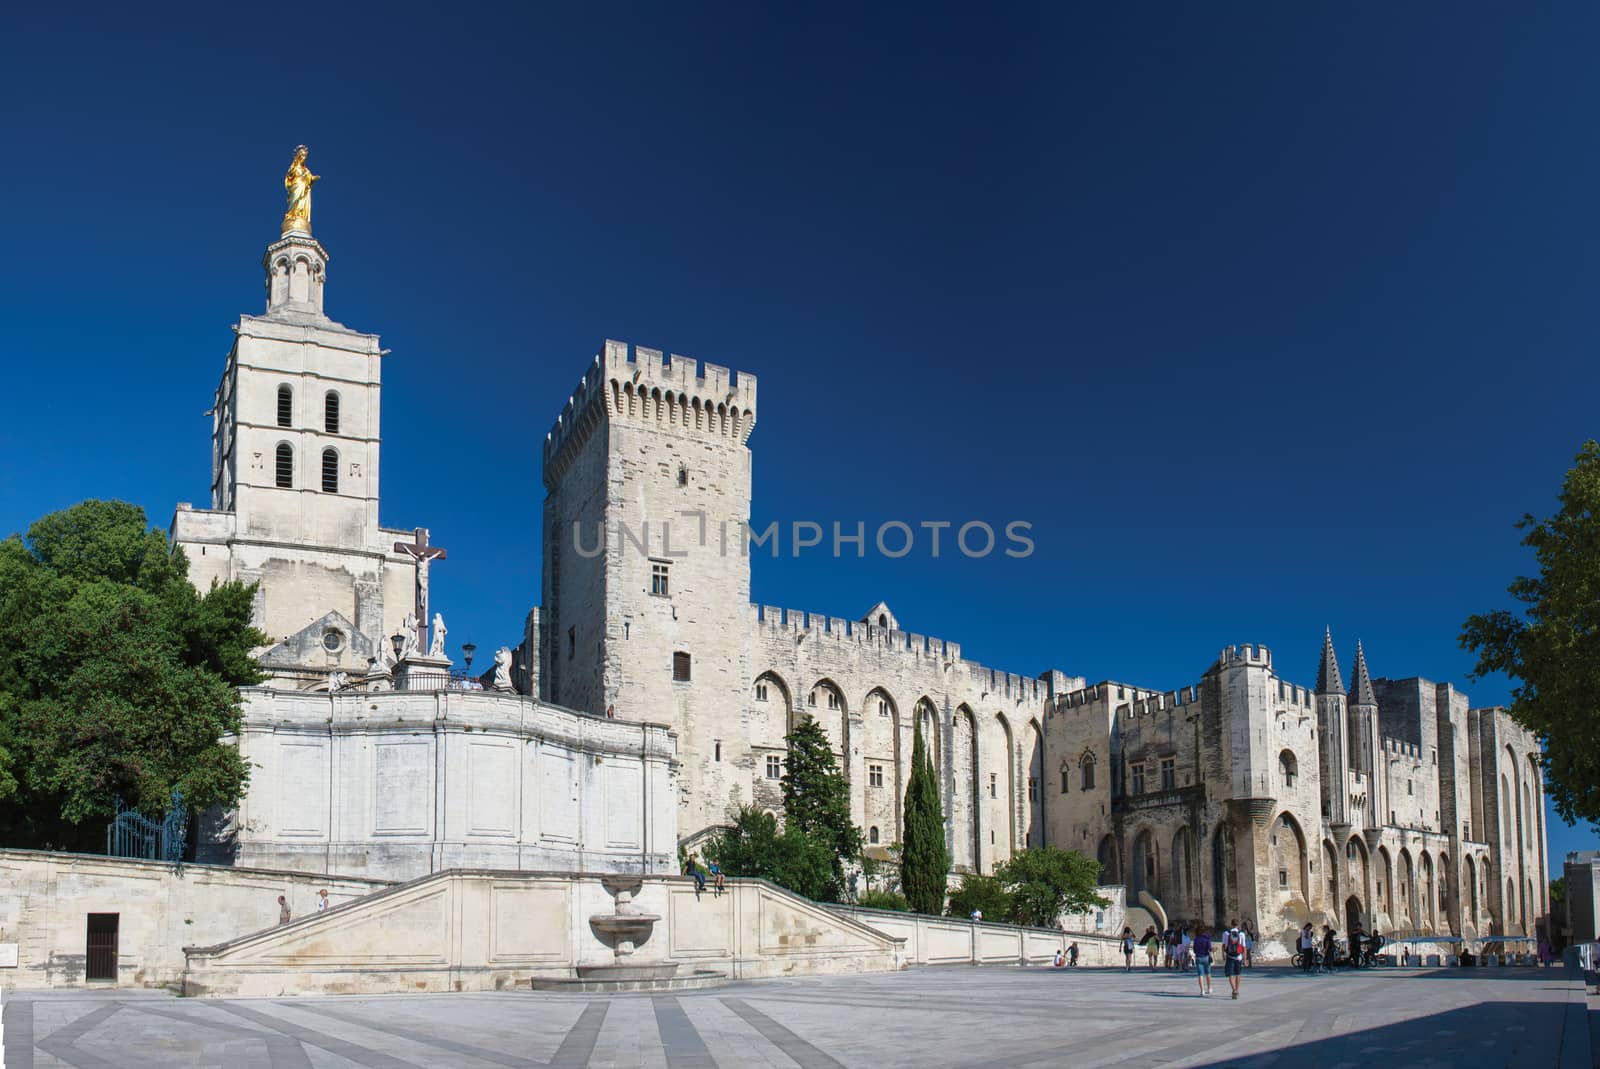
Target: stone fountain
pixel 623 930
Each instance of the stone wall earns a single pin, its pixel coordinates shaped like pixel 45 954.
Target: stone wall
pixel 397 784
pixel 953 941
pixel 160 908
pixel 473 930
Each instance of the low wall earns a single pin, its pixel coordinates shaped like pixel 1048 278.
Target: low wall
pixel 953 941
pixel 484 930
pixel 46 897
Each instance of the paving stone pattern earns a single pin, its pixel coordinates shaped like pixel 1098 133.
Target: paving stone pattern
pixel 960 1016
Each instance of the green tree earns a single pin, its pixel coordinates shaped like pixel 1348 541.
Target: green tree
pixel 791 859
pixel 117 677
pixel 924 857
pixel 985 893
pixel 816 799
pixel 1045 882
pixel 1552 649
pixel 884 900
pixel 1558 891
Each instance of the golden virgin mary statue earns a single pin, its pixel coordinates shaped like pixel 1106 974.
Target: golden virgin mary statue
pixel 297 184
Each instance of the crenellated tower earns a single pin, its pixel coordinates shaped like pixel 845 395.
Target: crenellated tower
pixel 1333 744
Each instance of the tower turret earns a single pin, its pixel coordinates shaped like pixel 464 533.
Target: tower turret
pixel 1332 736
pixel 1364 743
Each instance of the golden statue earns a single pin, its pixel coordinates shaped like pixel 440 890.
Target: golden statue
pixel 297 184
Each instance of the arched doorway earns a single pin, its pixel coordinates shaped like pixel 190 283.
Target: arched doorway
pixel 1146 874
pixel 1354 916
pixel 1110 861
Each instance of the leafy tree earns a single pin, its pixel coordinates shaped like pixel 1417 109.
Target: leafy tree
pixel 984 893
pixel 1045 882
pixel 1558 891
pixel 1552 649
pixel 924 857
pixel 884 900
pixel 117 677
pixel 816 799
pixel 790 859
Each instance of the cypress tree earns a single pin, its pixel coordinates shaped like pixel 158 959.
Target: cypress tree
pixel 816 798
pixel 924 858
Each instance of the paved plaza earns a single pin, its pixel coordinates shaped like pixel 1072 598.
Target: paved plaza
pixel 956 1016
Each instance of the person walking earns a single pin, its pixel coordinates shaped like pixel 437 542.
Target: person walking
pixel 1233 956
pixel 1202 959
pixel 322 900
pixel 1306 943
pixel 1152 946
pixel 1072 955
pixel 1327 947
pixel 283 910
pixel 1127 949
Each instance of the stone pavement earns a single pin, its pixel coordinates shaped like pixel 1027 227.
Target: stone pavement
pixel 955 1016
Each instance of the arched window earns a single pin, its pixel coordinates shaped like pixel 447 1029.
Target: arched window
pixel 1066 778
pixel 330 471
pixel 285 406
pixel 285 465
pixel 1086 765
pixel 872 835
pixel 330 413
pixel 1288 768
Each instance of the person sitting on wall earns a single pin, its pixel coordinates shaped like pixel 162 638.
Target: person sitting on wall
pixel 692 868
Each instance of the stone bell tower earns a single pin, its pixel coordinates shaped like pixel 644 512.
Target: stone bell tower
pixel 294 470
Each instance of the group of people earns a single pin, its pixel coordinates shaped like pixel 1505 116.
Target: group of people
pixel 1068 958
pixel 1324 954
pixel 694 869
pixel 1180 946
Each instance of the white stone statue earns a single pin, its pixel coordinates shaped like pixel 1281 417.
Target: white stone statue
pixel 436 647
pixel 408 636
pixel 502 668
pixel 336 681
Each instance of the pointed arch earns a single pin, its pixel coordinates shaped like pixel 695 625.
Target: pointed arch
pixel 825 701
pixel 1110 858
pixel 1145 872
pixel 966 767
pixel 1291 862
pixel 1406 894
pixel 927 718
pixel 1033 775
pixel 881 745
pixel 1181 887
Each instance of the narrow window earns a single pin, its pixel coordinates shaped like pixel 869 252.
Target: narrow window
pixel 330 471
pixel 716 749
pixel 811 699
pixel 1088 774
pixel 761 692
pixel 774 766
pixel 1066 780
pixel 1169 774
pixel 680 667
pixel 659 579
pixel 285 466
pixel 572 642
pixel 833 700
pixel 994 785
pixel 872 834
pixel 1283 877
pixel 875 775
pixel 883 707
pixel 1138 778
pixel 330 413
pixel 285 406
pixel 1033 788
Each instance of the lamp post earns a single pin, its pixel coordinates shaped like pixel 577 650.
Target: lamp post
pixel 467 650
pixel 398 641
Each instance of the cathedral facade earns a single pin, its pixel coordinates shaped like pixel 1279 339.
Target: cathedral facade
pixel 1391 804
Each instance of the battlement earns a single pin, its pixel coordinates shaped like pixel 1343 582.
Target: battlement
pixel 1400 748
pixel 1245 654
pixel 818 627
pixel 638 383
pixel 1105 691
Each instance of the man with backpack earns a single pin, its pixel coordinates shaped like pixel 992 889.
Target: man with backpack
pixel 1233 956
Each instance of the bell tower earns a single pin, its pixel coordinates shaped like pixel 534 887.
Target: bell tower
pixel 295 437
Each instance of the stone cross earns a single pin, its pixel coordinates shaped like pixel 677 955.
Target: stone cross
pixel 422 553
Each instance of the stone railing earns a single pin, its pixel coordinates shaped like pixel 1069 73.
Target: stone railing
pixel 954 941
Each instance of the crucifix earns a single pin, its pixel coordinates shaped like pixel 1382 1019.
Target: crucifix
pixel 422 553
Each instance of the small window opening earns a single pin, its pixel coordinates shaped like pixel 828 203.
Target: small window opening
pixel 285 406
pixel 680 667
pixel 285 466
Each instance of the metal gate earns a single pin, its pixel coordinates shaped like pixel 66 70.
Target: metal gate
pixel 100 963
pixel 132 834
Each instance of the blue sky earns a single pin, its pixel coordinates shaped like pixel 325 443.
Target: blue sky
pixel 1267 318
